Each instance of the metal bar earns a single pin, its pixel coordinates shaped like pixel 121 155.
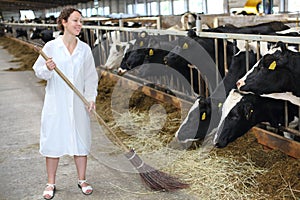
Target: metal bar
pixel 237 36
pixel 217 61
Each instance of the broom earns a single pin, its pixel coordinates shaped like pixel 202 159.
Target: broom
pixel 152 178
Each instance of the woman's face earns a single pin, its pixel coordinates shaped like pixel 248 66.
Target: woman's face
pixel 74 24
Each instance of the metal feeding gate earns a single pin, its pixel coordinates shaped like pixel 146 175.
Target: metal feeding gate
pixel 264 136
pixel 100 38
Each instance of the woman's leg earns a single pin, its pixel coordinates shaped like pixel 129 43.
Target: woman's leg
pixel 81 163
pixel 51 165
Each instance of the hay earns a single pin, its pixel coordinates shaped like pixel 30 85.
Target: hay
pixel 212 177
pixel 24 56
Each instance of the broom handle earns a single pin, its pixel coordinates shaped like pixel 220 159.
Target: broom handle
pixel 77 92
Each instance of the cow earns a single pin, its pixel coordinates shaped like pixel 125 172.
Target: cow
pixel 268 28
pixel 188 20
pixel 197 122
pixel 8 29
pixel 21 33
pixel 243 111
pixel 45 35
pixel 275 75
pixel 136 55
pixel 289 32
pixel 116 54
pixel 200 52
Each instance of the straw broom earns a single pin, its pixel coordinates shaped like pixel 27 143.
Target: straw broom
pixel 152 178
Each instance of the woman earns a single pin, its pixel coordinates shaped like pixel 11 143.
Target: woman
pixel 65 123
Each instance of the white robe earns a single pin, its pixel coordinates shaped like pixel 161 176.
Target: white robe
pixel 65 122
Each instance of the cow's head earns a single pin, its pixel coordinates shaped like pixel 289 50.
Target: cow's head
pixel 237 122
pixel 116 54
pixel 178 57
pixel 271 74
pixel 198 121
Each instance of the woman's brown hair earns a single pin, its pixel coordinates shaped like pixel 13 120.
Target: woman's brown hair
pixel 64 15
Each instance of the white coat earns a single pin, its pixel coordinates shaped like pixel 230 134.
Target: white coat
pixel 65 122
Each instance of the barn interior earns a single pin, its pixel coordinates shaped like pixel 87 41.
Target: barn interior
pixel 148 109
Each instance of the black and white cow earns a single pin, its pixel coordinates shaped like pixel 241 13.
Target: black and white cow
pixel 116 53
pixel 199 52
pixel 148 48
pixel 42 33
pixel 243 111
pixel 268 28
pixel 276 75
pixel 196 124
pixel 188 20
pixel 21 33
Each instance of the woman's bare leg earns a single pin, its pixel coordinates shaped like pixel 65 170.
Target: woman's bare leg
pixel 51 166
pixel 81 163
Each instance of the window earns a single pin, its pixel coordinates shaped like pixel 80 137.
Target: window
pixel 140 9
pixel 26 14
pixel 179 7
pixel 130 9
pixel 165 8
pixel 215 7
pixel 293 5
pixel 196 6
pixel 152 8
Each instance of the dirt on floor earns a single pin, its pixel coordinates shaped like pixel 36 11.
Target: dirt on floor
pixel 280 181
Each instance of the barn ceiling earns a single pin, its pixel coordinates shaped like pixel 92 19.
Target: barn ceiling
pixel 16 5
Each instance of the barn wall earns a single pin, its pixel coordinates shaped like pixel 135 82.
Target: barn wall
pixel 7 15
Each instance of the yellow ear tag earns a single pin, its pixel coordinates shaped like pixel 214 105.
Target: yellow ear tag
pixel 220 105
pixel 185 46
pixel 251 111
pixel 272 65
pixel 141 43
pixel 203 117
pixel 151 52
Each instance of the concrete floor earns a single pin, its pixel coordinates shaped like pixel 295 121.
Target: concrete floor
pixel 23 173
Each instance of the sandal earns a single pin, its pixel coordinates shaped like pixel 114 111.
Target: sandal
pixel 86 188
pixel 50 193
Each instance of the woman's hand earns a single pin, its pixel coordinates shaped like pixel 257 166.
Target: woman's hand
pixel 92 106
pixel 50 64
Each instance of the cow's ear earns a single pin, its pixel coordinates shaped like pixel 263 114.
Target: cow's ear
pixel 141 43
pixel 118 47
pixel 185 45
pixel 272 66
pixel 151 52
pixel 203 116
pixel 248 111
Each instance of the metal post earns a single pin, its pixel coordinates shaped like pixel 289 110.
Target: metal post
pixel 217 61
pixel 198 23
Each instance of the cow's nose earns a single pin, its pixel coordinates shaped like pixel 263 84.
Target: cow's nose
pixel 165 60
pixel 239 83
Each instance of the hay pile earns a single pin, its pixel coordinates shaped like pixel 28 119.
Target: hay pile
pixel 211 177
pixel 24 56
pixel 243 170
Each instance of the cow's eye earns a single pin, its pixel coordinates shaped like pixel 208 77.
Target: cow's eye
pixel 233 116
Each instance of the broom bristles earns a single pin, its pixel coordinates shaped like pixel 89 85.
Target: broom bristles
pixel 153 178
